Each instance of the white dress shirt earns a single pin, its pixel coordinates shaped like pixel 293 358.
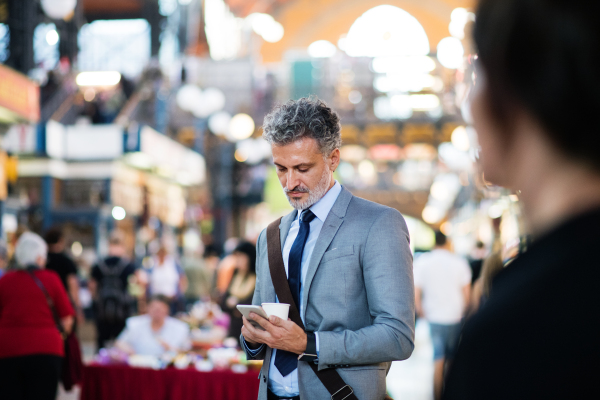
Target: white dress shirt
pixel 287 386
pixel 139 335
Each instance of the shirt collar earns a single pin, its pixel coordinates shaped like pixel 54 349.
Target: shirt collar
pixel 322 207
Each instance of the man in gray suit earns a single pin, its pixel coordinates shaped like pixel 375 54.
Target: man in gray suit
pixel 348 264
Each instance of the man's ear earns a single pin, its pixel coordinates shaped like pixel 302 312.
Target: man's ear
pixel 334 159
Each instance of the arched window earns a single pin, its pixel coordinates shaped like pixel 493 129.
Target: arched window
pixel 386 31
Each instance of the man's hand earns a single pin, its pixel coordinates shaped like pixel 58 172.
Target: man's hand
pixel 278 334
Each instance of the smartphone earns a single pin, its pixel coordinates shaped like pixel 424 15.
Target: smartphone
pixel 247 309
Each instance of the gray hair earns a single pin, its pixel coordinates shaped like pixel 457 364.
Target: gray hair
pixel 29 248
pixel 307 117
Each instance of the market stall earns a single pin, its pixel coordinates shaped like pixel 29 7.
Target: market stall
pixel 121 382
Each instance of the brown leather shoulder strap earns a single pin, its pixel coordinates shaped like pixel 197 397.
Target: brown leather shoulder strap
pixel 330 378
pixel 278 275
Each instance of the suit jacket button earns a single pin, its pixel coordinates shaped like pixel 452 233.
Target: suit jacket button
pixel 264 379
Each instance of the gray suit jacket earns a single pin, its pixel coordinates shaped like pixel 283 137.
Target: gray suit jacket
pixel 358 295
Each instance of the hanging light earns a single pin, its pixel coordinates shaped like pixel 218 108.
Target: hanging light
pixel 98 78
pixel 214 99
pixel 118 213
pixel 322 49
pixel 241 127
pixel 52 37
pixel 460 138
pixel 188 96
pixel 219 123
pixel 58 9
pixel 450 52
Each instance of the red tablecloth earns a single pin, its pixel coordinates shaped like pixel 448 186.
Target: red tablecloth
pixel 126 383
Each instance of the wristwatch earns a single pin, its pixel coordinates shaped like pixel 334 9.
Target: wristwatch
pixel 310 354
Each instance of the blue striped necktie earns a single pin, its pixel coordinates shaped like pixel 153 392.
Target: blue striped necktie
pixel 285 361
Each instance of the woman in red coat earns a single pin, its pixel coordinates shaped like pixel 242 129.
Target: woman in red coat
pixel 31 345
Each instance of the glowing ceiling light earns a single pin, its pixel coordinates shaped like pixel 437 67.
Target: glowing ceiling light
pixel 266 26
pixel 52 37
pixel 403 65
pixel 76 249
pixel 98 78
pixel 241 127
pixel 386 30
pixel 274 33
pixel 450 52
pixel 188 96
pixel 322 49
pixel 58 9
pixel 367 172
pixel 460 139
pixel 424 102
pixel 355 97
pixel 219 123
pixel 432 215
pixel 118 213
pixel 440 191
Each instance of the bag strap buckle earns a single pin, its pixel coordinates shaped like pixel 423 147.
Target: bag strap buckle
pixel 347 395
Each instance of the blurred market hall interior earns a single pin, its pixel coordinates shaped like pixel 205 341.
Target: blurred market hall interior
pixel 136 125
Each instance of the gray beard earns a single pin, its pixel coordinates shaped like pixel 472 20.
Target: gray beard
pixel 313 195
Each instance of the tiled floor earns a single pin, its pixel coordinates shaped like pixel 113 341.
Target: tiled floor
pixel 87 348
pixel 412 379
pixel 407 380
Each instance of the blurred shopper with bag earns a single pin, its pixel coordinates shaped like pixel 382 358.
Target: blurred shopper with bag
pixel 35 316
pixel 64 266
pixel 442 288
pixel 66 269
pixel 109 287
pixel 534 107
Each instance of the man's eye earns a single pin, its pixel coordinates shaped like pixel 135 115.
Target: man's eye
pixel 303 170
pixel 281 169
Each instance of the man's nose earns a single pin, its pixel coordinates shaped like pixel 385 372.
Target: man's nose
pixel 292 180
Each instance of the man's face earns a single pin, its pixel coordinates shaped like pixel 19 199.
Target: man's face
pixel 116 250
pixel 158 311
pixel 303 172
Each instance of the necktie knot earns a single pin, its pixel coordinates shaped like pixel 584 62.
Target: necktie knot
pixel 307 216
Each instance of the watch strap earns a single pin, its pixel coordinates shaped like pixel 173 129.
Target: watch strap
pixel 310 354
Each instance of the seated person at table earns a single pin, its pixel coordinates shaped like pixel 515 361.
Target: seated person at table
pixel 154 333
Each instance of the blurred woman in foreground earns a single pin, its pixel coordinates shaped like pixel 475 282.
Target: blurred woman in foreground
pixel 31 345
pixel 535 108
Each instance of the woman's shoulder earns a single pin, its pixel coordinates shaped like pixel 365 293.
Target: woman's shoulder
pixel 9 277
pixel 49 275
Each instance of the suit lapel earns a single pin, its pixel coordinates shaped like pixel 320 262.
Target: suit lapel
pixel 332 224
pixel 285 225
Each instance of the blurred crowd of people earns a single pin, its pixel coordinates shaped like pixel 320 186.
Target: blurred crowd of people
pixel 133 304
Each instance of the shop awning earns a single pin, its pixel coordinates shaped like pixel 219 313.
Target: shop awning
pixel 19 97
